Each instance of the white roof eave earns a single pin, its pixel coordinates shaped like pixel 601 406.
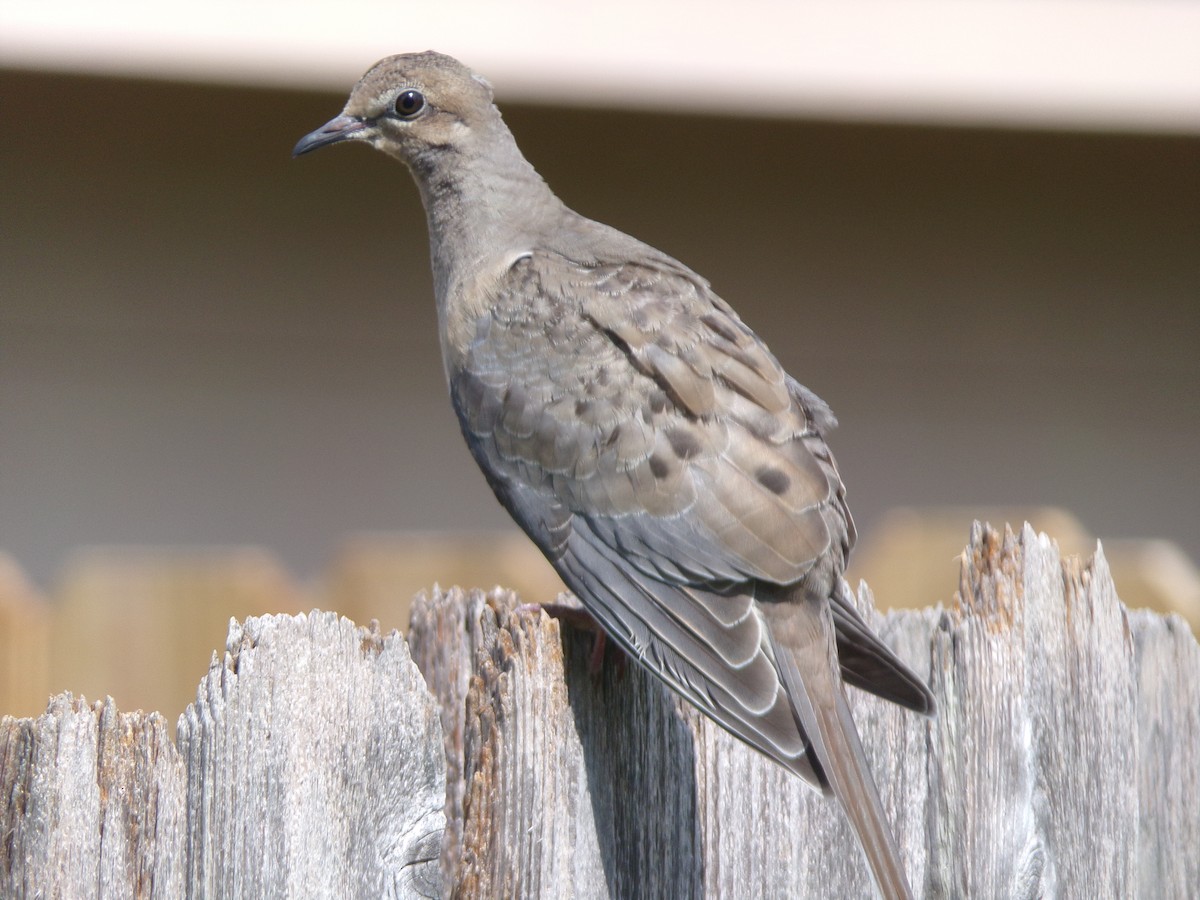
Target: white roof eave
pixel 1128 65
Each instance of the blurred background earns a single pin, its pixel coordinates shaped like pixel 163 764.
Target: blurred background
pixel 972 228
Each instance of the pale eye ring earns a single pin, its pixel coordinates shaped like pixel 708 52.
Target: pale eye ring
pixel 408 103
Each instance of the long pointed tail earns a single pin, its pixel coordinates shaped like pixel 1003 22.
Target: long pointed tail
pixel 802 637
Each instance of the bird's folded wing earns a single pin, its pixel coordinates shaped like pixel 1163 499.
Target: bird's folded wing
pixel 636 398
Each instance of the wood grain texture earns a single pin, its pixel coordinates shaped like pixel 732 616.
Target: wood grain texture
pixel 449 625
pixel 315 765
pixel 1168 773
pixel 310 765
pixel 93 802
pixel 1064 760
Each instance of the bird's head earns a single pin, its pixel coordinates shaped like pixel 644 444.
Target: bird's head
pixel 408 105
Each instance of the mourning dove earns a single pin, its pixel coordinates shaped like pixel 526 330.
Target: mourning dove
pixel 645 439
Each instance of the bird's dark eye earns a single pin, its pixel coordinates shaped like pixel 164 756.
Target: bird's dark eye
pixel 408 104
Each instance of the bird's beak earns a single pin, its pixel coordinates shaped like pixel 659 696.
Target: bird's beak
pixel 340 129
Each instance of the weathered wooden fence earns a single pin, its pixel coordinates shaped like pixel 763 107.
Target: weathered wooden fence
pixel 140 623
pixel 1064 762
pixel 310 765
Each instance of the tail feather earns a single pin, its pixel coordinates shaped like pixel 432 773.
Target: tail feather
pixel 870 664
pixel 802 637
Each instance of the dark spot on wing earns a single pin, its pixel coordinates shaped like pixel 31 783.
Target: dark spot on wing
pixel 774 480
pixel 659 467
pixel 683 442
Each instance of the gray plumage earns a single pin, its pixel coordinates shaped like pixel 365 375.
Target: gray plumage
pixel 645 439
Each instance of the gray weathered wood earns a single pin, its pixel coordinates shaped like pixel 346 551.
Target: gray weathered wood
pixel 1064 761
pixel 90 797
pixel 1168 773
pixel 310 765
pixel 315 765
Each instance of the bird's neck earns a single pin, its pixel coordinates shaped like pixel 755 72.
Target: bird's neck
pixel 484 209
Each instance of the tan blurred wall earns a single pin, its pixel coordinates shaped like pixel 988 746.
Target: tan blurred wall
pixel 203 341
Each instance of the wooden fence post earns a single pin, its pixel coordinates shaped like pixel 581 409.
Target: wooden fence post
pixel 310 765
pixel 91 797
